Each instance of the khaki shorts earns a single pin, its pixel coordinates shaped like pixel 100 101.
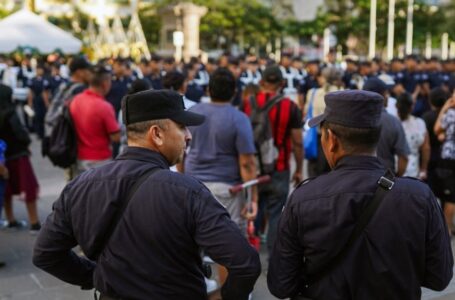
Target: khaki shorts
pixel 233 203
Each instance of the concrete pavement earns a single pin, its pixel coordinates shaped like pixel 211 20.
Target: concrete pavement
pixel 20 280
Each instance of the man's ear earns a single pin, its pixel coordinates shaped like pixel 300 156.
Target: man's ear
pixel 155 135
pixel 334 142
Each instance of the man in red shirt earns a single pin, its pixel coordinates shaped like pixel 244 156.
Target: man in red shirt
pixel 95 122
pixel 286 123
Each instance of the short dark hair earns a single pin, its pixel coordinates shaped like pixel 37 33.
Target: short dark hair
pixel 438 96
pixel 404 105
pixel 173 80
pixel 139 85
pixel 222 85
pixel 355 140
pixel 99 75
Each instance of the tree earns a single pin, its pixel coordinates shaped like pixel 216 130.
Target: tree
pixel 352 18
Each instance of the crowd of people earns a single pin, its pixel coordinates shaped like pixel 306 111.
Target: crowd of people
pixel 416 116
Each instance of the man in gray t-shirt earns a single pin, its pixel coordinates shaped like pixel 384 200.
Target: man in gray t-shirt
pixel 393 140
pixel 221 153
pixel 393 143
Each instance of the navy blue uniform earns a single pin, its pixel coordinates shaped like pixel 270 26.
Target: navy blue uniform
pixel 119 89
pixel 54 83
pixel 406 244
pixel 156 81
pixel 194 92
pixel 154 253
pixel 307 83
pixel 38 85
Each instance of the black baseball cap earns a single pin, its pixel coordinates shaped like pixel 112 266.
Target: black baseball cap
pixel 351 108
pixel 78 63
pixel 272 74
pixel 158 104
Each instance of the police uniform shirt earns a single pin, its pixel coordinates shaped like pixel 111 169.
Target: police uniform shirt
pixel 405 245
pixel 411 80
pixel 156 81
pixel 289 74
pixel 248 77
pixel 202 78
pixel 398 77
pixel 119 88
pixel 25 74
pixel 154 252
pixel 54 83
pixel 38 85
pixel 307 83
pixel 436 79
pixel 194 92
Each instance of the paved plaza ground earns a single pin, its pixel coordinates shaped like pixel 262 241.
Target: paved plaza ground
pixel 20 280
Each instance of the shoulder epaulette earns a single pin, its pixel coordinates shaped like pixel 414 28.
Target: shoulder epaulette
pixel 305 181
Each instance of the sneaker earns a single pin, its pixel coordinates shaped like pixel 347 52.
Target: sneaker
pixel 17 224
pixel 3 224
pixel 35 228
pixel 211 284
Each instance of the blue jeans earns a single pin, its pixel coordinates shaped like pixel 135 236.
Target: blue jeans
pixel 274 195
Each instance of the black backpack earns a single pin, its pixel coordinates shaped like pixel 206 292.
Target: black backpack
pixel 267 150
pixel 62 143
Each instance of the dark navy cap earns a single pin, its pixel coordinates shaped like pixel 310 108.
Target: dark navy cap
pixel 374 84
pixel 158 104
pixel 351 108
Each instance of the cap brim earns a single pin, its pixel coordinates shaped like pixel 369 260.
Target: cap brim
pixel 317 120
pixel 188 118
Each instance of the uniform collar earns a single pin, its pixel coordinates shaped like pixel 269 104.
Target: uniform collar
pixel 356 162
pixel 145 155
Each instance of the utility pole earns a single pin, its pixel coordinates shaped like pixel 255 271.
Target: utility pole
pixel 391 30
pixel 372 47
pixel 409 27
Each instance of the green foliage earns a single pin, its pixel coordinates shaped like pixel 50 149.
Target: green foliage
pixel 352 18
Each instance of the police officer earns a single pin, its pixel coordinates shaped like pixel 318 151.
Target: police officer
pixel 148 248
pixel 402 245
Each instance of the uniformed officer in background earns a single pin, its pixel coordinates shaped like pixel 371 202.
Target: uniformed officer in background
pixel 141 226
pixel 357 232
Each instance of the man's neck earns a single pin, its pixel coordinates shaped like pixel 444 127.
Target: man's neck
pixel 219 102
pixel 96 90
pixel 270 90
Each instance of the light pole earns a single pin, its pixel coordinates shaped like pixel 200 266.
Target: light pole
pixel 178 39
pixel 409 27
pixel 428 46
pixel 326 43
pixel 372 47
pixel 452 50
pixel 445 46
pixel 391 29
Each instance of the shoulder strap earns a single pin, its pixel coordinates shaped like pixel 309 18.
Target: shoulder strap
pixel 253 103
pixel 122 209
pixel 385 184
pixel 310 106
pixel 269 104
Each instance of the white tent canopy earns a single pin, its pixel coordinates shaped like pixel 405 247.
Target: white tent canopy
pixel 26 29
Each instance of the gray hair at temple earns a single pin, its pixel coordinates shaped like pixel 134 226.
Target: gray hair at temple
pixel 332 76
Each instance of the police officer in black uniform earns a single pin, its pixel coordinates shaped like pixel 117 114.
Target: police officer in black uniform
pixel 333 244
pixel 148 248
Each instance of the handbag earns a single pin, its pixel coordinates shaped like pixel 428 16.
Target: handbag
pixel 310 135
